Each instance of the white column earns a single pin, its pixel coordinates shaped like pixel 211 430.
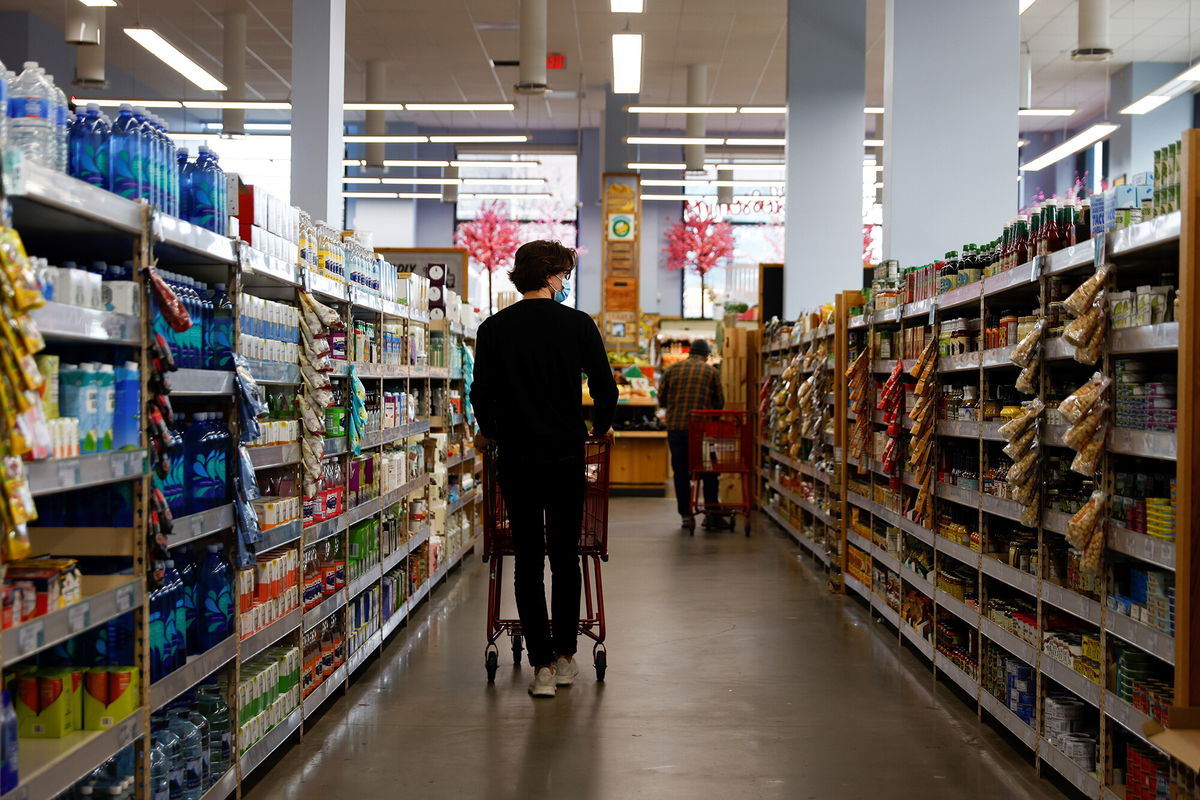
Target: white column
pixel 826 77
pixel 318 76
pixel 233 120
pixel 950 127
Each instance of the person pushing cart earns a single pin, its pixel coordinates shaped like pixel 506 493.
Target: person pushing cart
pixel 529 405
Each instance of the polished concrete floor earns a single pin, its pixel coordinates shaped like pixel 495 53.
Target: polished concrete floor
pixel 732 674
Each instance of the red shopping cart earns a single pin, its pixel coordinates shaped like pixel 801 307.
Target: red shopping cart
pixel 593 548
pixel 720 442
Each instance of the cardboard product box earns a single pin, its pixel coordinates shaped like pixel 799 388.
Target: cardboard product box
pixel 110 695
pixel 44 703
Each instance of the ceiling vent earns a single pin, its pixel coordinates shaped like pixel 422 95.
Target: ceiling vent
pixel 1093 44
pixel 532 79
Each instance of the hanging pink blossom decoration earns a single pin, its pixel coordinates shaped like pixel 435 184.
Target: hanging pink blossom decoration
pixel 697 241
pixel 491 240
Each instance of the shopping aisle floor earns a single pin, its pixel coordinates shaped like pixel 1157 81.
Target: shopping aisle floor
pixel 732 674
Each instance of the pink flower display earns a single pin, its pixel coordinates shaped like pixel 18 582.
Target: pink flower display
pixel 697 241
pixel 491 240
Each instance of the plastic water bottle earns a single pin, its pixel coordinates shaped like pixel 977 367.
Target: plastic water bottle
pixel 29 111
pixel 220 335
pixel 172 486
pixel 159 642
pixel 216 619
pixel 206 321
pixel 214 708
pixel 221 219
pixel 183 178
pixel 189 574
pixel 174 616
pixel 196 718
pixel 160 781
pixel 87 144
pixel 125 155
pixel 145 153
pixel 8 741
pixel 162 164
pixel 206 464
pixel 173 757
pixel 203 204
pixel 127 390
pixel 3 105
pixel 62 123
pixel 191 753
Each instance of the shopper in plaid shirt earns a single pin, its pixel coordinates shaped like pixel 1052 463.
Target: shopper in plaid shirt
pixel 690 385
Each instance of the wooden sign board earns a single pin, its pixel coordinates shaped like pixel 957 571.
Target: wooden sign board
pixel 621 294
pixel 621 210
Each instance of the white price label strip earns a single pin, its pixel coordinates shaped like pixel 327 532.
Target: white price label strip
pixel 124 599
pixel 31 637
pixel 79 617
pixel 933 311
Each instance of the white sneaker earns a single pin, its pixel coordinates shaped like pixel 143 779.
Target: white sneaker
pixel 543 683
pixel 565 671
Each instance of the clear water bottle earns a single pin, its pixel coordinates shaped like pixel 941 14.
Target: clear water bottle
pixel 196 718
pixel 191 753
pixel 160 780
pixel 220 730
pixel 168 740
pixel 62 124
pixel 183 184
pixel 3 105
pixel 30 110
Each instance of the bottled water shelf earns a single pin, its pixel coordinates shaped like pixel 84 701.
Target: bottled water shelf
pixel 179 242
pixel 224 786
pixel 105 597
pixel 278 455
pixel 80 472
pixel 201 383
pixel 418 538
pixel 61 321
pixel 196 669
pixel 257 642
pixel 323 691
pixel 279 536
pixel 50 766
pixel 197 526
pixel 268 744
pixel 45 201
pixel 257 264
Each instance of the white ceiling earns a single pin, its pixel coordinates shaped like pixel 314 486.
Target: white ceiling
pixel 442 51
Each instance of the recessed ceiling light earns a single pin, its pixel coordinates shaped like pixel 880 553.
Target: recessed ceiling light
pixel 627 63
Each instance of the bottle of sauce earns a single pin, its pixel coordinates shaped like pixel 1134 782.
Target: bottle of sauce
pixel 1035 232
pixel 1083 221
pixel 1020 250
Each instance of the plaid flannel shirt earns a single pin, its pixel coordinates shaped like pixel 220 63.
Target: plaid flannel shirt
pixel 688 386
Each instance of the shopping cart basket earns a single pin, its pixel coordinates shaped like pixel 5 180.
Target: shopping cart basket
pixel 593 548
pixel 720 442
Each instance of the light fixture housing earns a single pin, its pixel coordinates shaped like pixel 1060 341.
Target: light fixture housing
pixel 762 109
pixel 389 139
pixel 481 139
pixel 872 142
pixel 627 63
pixel 1046 112
pixel 243 105
pixel 1023 6
pixel 683 140
pixel 1181 83
pixel 682 109
pixel 1071 146
pixel 460 106
pixel 506 196
pixel 99 3
pixel 107 103
pixel 390 196
pixel 373 106
pixel 170 55
pixel 627 6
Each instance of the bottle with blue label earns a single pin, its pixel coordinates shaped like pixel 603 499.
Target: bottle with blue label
pixel 8 736
pixel 159 641
pixel 184 170
pixel 204 297
pixel 216 615
pixel 189 574
pixel 143 167
pixel 221 220
pixel 172 487
pixel 206 457
pixel 220 331
pixel 215 709
pixel 125 154
pixel 30 110
pixel 127 391
pixel 3 105
pixel 62 124
pixel 89 148
pixel 173 605
pixel 204 198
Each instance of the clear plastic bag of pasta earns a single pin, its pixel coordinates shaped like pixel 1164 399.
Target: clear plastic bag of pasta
pixel 1082 399
pixel 1080 299
pixel 1027 349
pixel 1018 425
pixel 1088 457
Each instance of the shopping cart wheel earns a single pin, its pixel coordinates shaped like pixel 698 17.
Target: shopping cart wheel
pixel 746 526
pixel 491 661
pixel 516 648
pixel 601 665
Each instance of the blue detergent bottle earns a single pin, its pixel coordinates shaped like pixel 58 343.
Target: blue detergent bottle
pixel 87 147
pixel 174 614
pixel 206 459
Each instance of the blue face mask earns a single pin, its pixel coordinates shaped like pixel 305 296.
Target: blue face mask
pixel 561 295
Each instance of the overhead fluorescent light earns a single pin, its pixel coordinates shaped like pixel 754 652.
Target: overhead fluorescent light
pixel 627 62
pixel 669 182
pixel 359 139
pixel 656 165
pixel 173 58
pixel 1071 146
pixel 252 126
pixel 628 6
pixel 682 109
pixel 106 102
pixel 506 196
pixel 421 181
pixel 1045 112
pixel 245 105
pixel 503 181
pixel 373 106
pixel 460 106
pixel 1181 83
pixel 403 162
pixel 356 181
pixel 873 167
pixel 878 185
pixel 773 166
pixel 873 110
pixel 1146 104
pixel 749 182
pixel 674 140
pixel 485 164
pixel 762 110
pixel 780 142
pixel 678 197
pixel 392 195
pixel 468 139
pixel 99 3
pixel 1023 5
pixel 1021 143
pixel 872 142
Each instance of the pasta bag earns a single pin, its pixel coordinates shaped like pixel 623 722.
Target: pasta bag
pixel 1077 404
pixel 1079 300
pixel 1026 349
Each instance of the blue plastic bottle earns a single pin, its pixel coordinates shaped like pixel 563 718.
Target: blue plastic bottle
pixel 88 148
pixel 220 337
pixel 8 742
pixel 172 750
pixel 184 170
pixel 189 574
pixel 216 618
pixel 172 486
pixel 206 459
pixel 206 314
pixel 203 202
pixel 159 641
pixel 173 605
pixel 222 215
pixel 125 154
pixel 147 183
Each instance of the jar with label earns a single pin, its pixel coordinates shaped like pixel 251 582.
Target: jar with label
pixel 1009 322
pixel 968 410
pixel 1024 326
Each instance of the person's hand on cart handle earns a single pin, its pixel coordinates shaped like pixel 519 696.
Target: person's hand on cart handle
pixel 606 435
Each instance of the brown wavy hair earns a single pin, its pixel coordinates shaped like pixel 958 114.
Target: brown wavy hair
pixel 536 261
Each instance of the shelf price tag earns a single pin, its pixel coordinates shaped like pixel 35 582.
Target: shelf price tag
pixel 79 617
pixel 124 599
pixel 31 636
pixel 932 311
pixel 68 474
pixel 197 526
pixel 1035 268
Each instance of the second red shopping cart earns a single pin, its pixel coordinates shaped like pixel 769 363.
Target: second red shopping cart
pixel 593 548
pixel 721 443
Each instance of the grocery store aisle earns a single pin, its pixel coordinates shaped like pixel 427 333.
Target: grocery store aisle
pixel 732 674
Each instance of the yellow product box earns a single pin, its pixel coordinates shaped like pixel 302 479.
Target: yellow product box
pixel 110 695
pixel 43 706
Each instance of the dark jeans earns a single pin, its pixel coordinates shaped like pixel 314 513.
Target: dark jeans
pixel 678 442
pixel 545 510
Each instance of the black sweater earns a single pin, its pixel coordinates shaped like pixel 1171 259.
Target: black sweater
pixel 526 386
